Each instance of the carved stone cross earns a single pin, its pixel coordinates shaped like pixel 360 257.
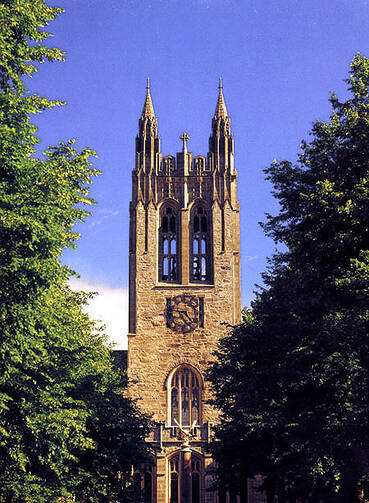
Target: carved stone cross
pixel 184 137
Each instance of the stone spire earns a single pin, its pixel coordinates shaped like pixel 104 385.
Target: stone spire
pixel 221 122
pixel 221 109
pixel 147 144
pixel 148 109
pixel 148 123
pixel 221 145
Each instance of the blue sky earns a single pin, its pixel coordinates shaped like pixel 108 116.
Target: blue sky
pixel 279 60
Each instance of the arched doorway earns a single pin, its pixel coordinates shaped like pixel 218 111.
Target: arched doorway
pixel 182 480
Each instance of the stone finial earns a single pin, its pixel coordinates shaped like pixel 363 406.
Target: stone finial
pixel 148 109
pixel 221 109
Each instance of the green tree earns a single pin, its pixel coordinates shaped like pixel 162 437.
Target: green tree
pixel 66 429
pixel 293 380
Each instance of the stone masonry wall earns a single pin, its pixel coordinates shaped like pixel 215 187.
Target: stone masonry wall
pixel 154 350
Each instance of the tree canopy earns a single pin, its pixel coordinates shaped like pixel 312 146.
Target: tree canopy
pixel 66 428
pixel 292 381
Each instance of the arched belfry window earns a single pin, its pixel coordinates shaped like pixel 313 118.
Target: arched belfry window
pixel 200 253
pixel 168 249
pixel 184 397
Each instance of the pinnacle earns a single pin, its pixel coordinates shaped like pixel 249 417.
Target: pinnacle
pixel 221 109
pixel 148 109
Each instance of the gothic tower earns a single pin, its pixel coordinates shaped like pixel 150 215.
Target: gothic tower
pixel 184 283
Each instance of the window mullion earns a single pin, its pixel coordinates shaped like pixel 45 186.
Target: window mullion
pixel 179 399
pixel 190 399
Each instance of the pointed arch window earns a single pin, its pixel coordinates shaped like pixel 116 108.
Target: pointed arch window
pixel 185 398
pixel 196 479
pixel 143 483
pixel 168 249
pixel 200 253
pixel 174 479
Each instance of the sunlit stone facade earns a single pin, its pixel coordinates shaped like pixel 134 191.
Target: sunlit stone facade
pixel 184 284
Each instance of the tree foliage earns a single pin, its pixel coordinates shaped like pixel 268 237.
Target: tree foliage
pixel 66 429
pixel 293 380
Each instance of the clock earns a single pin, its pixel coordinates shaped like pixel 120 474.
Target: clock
pixel 182 313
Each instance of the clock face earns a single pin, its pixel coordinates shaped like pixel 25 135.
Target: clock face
pixel 182 313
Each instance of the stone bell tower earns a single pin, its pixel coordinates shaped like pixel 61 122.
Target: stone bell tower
pixel 184 283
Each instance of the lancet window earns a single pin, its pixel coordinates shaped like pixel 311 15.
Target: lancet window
pixel 168 240
pixel 174 479
pixel 200 266
pixel 185 396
